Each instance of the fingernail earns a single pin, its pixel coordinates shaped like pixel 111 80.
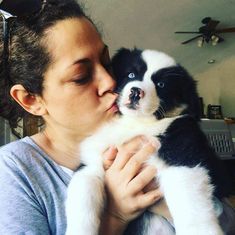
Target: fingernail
pixel 154 142
pixel 157 196
pixel 109 152
pixel 153 168
pixel 110 148
pixel 144 139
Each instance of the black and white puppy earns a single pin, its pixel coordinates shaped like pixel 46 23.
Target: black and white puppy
pixel 157 97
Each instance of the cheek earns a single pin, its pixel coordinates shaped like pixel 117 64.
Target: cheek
pixel 73 115
pixel 79 109
pixel 151 100
pixel 71 98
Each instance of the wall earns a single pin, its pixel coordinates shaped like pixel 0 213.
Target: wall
pixel 217 85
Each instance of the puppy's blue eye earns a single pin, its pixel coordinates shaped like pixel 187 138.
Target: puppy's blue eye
pixel 160 84
pixel 131 75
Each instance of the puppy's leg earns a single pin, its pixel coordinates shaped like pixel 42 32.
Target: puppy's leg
pixel 188 194
pixel 85 201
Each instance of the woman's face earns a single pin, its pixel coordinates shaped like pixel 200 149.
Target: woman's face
pixel 78 85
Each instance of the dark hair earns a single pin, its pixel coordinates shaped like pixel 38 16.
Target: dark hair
pixel 28 56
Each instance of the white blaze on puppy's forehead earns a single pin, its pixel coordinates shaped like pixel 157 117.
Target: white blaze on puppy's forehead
pixel 156 60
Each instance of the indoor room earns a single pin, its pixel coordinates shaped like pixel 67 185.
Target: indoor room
pixel 197 36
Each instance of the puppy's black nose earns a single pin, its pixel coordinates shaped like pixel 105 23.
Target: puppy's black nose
pixel 135 94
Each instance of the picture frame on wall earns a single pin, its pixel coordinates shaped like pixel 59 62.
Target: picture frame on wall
pixel 214 112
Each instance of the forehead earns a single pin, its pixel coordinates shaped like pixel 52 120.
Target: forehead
pixel 72 38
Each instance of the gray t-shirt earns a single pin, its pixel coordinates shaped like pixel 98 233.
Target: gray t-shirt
pixel 32 191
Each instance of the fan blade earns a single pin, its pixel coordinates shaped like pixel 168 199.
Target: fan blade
pixel 227 30
pixel 192 39
pixel 186 32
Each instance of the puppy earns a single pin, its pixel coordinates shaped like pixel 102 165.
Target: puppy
pixel 157 97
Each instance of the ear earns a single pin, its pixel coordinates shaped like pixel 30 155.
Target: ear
pixel 120 55
pixel 31 103
pixel 120 62
pixel 123 58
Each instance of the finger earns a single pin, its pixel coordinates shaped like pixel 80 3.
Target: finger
pixel 149 198
pixel 140 181
pixel 134 165
pixel 127 150
pixel 153 184
pixel 109 156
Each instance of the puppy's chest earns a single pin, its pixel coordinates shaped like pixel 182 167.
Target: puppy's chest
pixel 126 128
pixel 123 129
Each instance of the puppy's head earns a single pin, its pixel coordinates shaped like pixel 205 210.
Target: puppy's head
pixel 151 82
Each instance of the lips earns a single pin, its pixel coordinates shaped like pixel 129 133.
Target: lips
pixel 113 106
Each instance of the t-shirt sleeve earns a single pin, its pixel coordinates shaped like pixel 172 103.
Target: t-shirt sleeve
pixel 20 211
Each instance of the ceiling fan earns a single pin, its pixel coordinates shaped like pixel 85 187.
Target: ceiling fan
pixel 208 32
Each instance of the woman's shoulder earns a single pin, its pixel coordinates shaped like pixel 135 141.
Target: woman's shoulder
pixel 25 156
pixel 21 150
pixel 25 159
pixel 16 145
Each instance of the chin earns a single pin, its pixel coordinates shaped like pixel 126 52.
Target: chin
pixel 157 97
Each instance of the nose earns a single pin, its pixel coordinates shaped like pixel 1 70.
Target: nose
pixel 136 94
pixel 106 82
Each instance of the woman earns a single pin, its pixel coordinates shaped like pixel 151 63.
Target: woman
pixel 58 68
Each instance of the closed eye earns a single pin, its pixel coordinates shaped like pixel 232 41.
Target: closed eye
pixel 83 79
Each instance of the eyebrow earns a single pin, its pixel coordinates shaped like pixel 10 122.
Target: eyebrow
pixel 86 60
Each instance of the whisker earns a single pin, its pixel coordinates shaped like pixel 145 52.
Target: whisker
pixel 161 111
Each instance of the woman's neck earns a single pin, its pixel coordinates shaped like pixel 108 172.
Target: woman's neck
pixel 63 148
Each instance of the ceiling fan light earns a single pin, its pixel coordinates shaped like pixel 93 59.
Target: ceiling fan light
pixel 213 37
pixel 214 43
pixel 200 42
pixel 214 40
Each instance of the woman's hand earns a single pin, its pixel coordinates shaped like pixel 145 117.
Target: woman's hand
pixel 128 179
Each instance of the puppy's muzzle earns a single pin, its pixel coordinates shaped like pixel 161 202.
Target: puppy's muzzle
pixel 135 95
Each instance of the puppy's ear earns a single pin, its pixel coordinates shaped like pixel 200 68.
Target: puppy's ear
pixel 119 57
pixel 122 52
pixel 120 63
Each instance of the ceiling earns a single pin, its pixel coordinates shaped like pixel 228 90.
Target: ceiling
pixel 152 23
